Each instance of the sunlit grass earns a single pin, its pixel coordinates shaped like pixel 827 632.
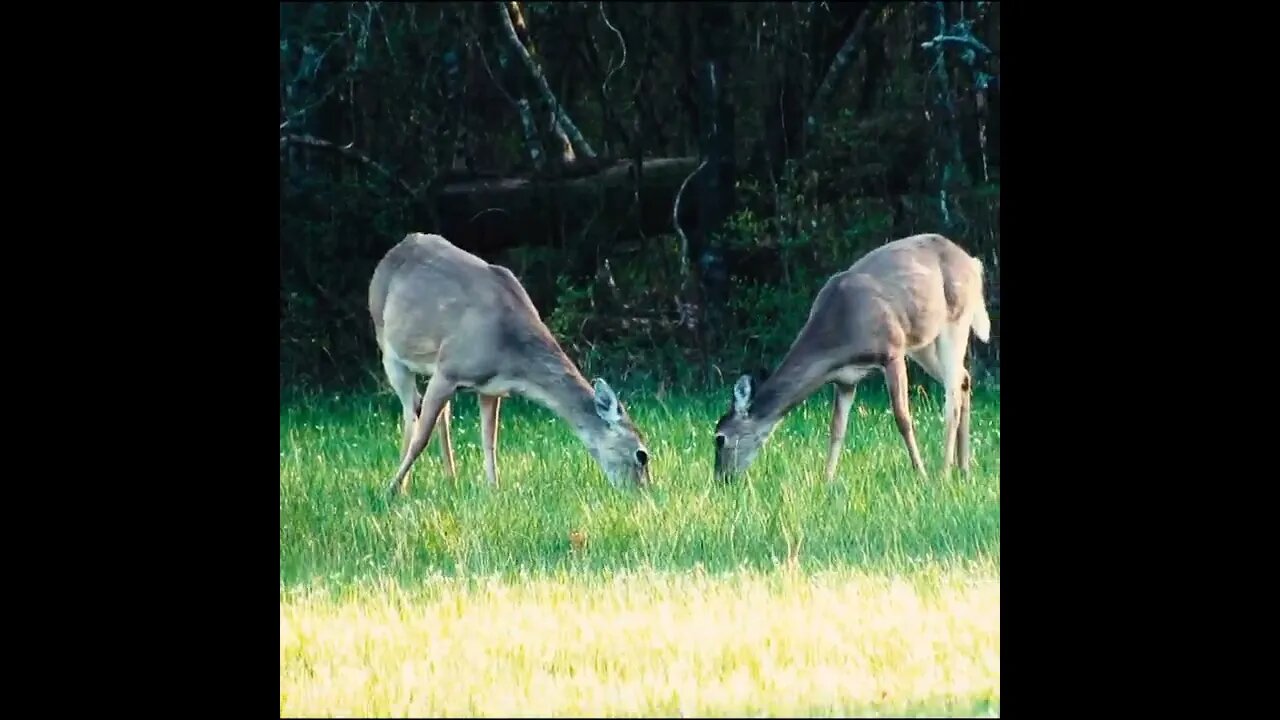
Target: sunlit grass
pixel 780 595
pixel 644 644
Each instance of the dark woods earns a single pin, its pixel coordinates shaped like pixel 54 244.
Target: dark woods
pixel 555 138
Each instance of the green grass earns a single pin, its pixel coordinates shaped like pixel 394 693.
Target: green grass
pixel 778 595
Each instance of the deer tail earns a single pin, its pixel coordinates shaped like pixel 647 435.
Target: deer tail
pixel 981 321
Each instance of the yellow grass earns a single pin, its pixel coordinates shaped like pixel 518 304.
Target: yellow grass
pixel 646 643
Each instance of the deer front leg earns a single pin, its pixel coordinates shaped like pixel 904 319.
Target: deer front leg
pixel 489 435
pixel 446 441
pixel 839 423
pixel 895 376
pixel 438 393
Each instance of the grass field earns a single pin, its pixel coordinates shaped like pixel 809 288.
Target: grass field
pixel 780 595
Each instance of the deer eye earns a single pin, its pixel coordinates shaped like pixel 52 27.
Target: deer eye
pixel 719 441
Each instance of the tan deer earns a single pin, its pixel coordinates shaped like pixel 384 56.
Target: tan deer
pixel 442 312
pixel 917 297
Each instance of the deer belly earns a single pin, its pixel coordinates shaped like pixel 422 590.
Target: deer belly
pixel 421 364
pixel 852 374
pixel 496 385
pixel 421 368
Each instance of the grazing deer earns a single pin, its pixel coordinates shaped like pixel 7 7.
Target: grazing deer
pixel 916 297
pixel 442 312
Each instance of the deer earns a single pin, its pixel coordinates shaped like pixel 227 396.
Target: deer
pixel 445 313
pixel 917 297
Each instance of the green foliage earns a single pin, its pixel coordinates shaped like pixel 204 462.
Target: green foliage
pixel 329 245
pixel 409 86
pixel 783 262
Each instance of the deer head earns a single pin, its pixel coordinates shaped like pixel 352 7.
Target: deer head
pixel 614 441
pixel 740 435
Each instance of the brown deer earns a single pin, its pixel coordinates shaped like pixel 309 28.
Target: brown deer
pixel 917 297
pixel 442 312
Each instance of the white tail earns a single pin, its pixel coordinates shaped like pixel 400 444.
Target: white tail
pixel 916 298
pixel 442 312
pixel 981 321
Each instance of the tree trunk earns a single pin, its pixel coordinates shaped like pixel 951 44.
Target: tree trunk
pixel 716 181
pixel 948 165
pixel 563 124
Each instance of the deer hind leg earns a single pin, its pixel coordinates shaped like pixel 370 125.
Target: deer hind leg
pixel 928 358
pixel 406 388
pixel 439 390
pixel 962 439
pixel 489 435
pixel 952 345
pixel 446 440
pixel 895 376
pixel 839 424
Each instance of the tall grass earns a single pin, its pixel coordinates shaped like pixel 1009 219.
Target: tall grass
pixel 556 593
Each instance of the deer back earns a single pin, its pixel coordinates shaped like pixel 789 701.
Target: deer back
pixel 898 295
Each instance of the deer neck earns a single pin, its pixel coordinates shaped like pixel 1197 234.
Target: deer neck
pixel 554 382
pixel 794 381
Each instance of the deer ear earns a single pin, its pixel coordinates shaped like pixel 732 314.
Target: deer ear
pixel 742 391
pixel 606 402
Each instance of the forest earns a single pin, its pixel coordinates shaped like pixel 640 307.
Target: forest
pixel 671 182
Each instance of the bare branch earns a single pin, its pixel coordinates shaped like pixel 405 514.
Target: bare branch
pixel 675 220
pixel 612 69
pixel 948 143
pixel 589 53
pixel 301 113
pixel 688 311
pixel 968 42
pixel 487 210
pixel 530 132
pixel 522 109
pixel 580 146
pixel 350 152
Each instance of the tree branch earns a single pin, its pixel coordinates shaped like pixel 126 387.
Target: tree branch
pixel 839 66
pixel 522 109
pixel 589 54
pixel 968 42
pixel 580 146
pixel 347 151
pixel 623 64
pixel 675 221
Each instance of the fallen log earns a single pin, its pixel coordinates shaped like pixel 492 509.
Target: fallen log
pixel 492 214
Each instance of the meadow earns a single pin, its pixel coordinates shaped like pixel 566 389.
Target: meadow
pixel 556 594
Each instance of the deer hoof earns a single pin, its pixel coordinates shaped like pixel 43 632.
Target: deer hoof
pixel 393 490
